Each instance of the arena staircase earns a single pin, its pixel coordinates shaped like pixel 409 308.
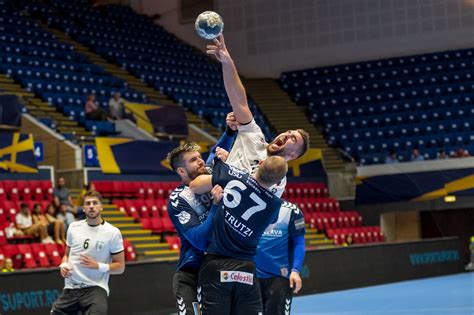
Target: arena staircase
pixel 36 107
pixel 133 82
pixel 285 114
pixel 316 240
pixel 147 245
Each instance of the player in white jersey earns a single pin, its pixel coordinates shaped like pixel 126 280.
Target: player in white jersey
pixel 94 251
pixel 250 147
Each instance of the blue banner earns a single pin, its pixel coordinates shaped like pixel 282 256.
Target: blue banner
pixel 39 152
pixel 415 186
pixel 90 156
pixel 128 156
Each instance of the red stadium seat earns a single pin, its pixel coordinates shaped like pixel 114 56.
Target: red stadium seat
pixel 40 254
pixel 27 256
pixel 3 195
pixel 157 225
pixel 53 254
pixel 11 251
pixel 129 250
pixel 3 237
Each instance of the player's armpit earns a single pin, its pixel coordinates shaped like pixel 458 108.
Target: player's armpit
pixel 201 184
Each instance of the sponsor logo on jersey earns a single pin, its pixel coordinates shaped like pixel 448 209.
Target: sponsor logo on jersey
pixel 299 224
pixel 284 272
pixel 236 225
pixel 237 276
pixel 273 233
pixel 183 217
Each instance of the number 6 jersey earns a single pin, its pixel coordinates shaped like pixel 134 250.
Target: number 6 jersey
pixel 99 242
pixel 244 212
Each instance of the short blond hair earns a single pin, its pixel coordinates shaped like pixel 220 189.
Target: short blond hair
pixel 272 170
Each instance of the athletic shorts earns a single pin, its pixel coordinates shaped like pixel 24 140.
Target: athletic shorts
pixel 90 301
pixel 228 286
pixel 184 289
pixel 276 295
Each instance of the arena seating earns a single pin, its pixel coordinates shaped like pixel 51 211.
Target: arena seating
pixel 149 52
pixel 368 108
pixel 54 70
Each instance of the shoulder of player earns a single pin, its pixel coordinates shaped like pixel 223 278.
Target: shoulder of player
pixel 77 224
pixel 181 194
pixel 111 228
pixel 290 207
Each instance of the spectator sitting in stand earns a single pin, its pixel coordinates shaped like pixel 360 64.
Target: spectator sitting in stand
pixel 461 153
pixel 8 267
pixel 55 228
pixel 92 109
pixel 62 198
pixel 24 222
pixel 442 155
pixel 116 107
pixel 416 156
pixel 392 158
pixel 65 215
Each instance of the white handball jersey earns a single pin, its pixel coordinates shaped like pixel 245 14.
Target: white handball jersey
pixel 249 149
pixel 99 242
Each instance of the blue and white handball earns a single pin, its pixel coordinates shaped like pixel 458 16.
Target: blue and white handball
pixel 209 25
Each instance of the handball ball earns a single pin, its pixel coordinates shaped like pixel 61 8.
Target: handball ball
pixel 209 25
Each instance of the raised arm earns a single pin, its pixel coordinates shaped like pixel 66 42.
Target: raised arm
pixel 233 86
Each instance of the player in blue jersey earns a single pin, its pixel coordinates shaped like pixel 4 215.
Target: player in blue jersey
pixel 279 259
pixel 227 278
pixel 192 217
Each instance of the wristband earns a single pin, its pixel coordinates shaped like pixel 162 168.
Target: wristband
pixel 104 267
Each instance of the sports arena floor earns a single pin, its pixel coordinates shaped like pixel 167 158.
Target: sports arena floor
pixel 448 295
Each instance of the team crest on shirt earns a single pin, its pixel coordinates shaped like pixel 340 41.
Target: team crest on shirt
pixel 99 245
pixel 284 272
pixel 183 217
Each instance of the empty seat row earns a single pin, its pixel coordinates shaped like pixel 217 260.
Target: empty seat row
pixel 357 235
pixel 15 190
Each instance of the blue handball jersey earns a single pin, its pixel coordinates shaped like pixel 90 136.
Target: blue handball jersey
pixel 275 250
pixel 244 212
pixel 187 210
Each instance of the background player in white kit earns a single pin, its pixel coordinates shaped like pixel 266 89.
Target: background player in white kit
pixel 94 251
pixel 250 147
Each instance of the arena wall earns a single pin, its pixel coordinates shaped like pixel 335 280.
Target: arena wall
pixel 146 287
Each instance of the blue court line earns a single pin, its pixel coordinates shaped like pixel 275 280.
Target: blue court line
pixel 447 295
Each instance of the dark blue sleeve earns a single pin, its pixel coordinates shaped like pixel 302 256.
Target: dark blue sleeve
pixel 199 234
pixel 296 224
pixel 225 142
pixel 297 230
pixel 298 252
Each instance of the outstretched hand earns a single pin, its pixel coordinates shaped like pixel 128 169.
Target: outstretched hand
pixel 219 50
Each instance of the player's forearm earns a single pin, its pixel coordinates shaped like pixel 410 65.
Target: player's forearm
pixel 298 253
pixel 201 184
pixel 65 259
pixel 236 93
pixel 199 235
pixel 116 268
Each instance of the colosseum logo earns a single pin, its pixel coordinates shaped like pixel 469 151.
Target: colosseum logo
pixel 237 276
